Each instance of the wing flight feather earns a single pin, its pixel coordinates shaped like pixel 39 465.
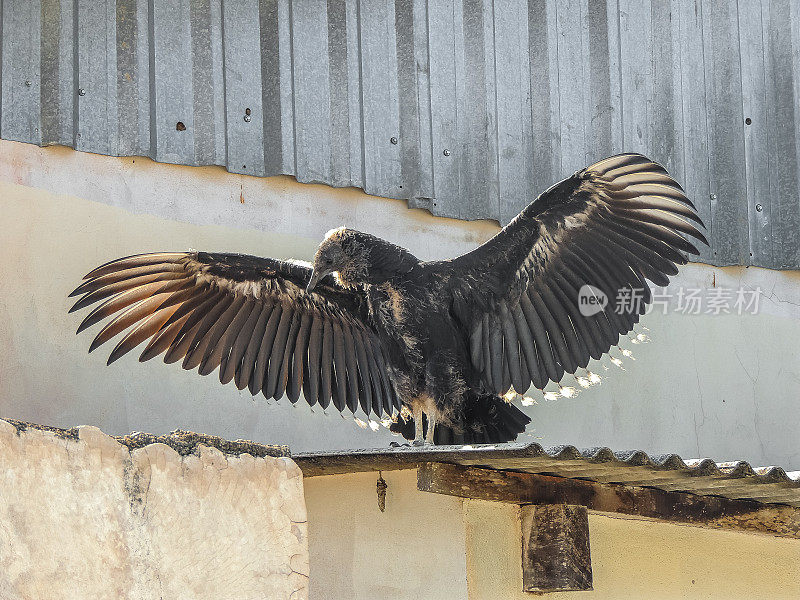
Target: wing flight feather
pixel 602 233
pixel 248 317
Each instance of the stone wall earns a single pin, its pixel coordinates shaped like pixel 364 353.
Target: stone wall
pixel 84 516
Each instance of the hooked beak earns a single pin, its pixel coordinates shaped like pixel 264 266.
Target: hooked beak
pixel 312 283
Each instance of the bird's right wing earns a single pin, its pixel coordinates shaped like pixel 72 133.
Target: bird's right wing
pixel 249 316
pixel 594 237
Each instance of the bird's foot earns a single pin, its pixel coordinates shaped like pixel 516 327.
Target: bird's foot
pixel 421 443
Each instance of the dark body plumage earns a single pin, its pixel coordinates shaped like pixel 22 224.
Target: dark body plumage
pixel 370 325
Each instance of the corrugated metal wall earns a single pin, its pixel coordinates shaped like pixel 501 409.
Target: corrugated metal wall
pixel 466 107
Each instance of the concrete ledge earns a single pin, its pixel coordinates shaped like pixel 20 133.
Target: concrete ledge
pixel 84 515
pixel 183 442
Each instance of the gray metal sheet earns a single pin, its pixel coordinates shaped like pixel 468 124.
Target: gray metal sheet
pixel 465 107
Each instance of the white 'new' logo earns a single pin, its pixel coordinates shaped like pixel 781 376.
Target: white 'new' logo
pixel 591 300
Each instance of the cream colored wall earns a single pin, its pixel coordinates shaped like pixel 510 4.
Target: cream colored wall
pixel 636 559
pixel 412 551
pixel 89 519
pixel 357 552
pixel 719 386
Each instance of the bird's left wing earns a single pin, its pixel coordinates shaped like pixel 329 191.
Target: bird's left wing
pixel 249 316
pixel 561 282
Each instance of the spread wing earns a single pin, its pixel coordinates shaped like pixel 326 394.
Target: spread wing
pixel 249 316
pixel 526 297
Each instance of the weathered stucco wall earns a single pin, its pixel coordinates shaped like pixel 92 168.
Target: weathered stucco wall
pixel 724 386
pixel 87 518
pixel 634 558
pixel 412 551
pixel 425 544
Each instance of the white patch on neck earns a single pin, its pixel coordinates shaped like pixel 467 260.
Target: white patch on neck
pixel 298 262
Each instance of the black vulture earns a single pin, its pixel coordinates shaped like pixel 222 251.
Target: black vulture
pixel 434 345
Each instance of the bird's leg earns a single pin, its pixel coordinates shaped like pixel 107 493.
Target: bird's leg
pixel 431 428
pixel 418 435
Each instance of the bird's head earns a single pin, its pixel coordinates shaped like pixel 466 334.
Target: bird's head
pixel 344 252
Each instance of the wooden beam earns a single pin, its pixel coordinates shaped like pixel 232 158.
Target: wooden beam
pixel 555 548
pixel 678 507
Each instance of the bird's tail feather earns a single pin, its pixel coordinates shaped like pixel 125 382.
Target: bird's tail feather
pixel 486 420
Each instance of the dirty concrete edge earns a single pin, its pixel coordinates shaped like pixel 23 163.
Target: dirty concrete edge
pixel 185 443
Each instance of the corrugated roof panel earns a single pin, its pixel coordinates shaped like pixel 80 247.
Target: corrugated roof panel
pixel 669 472
pixel 465 107
pixel 379 98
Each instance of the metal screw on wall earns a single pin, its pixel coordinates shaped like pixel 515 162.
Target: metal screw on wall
pixel 713 196
pixel 446 152
pixel 759 208
pixel 81 92
pixel 28 83
pixel 393 140
pixel 247 118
